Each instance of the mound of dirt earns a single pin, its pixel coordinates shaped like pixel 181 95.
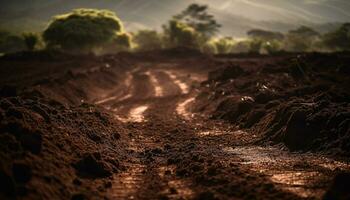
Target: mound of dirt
pixel 48 150
pixel 302 101
pixel 53 145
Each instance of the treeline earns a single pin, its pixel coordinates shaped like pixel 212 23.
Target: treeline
pixel 302 39
pixel 101 31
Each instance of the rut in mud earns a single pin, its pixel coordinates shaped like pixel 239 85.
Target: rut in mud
pixel 179 154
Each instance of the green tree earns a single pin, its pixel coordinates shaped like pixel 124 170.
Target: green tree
pixel 180 34
pixel 197 17
pixel 148 40
pixel 304 31
pixel 31 40
pixel 338 39
pixel 300 39
pixel 83 29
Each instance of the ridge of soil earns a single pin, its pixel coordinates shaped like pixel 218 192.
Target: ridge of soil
pixel 301 101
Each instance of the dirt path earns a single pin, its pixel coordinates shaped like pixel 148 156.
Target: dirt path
pixel 176 154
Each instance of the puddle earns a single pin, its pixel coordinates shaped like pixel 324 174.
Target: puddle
pixel 181 108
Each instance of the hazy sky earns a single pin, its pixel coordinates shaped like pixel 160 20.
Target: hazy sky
pixel 318 11
pixel 279 10
pixel 236 16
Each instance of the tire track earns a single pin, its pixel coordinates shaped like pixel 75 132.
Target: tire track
pixel 132 108
pixel 158 97
pixel 117 95
pixel 157 86
pixel 182 85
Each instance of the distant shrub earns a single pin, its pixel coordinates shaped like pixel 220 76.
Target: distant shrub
pixel 83 29
pixel 209 48
pixel 241 47
pixel 148 40
pixel 301 39
pixel 338 39
pixel 255 45
pixel 10 42
pixel 264 41
pixel 224 45
pixel 123 40
pixel 31 40
pixel 272 46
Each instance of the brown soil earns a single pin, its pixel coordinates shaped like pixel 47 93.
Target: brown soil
pixel 138 126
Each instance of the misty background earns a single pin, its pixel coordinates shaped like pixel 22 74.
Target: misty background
pixel 236 16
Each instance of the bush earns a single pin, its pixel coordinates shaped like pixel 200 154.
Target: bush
pixel 148 40
pixel 338 39
pixel 272 46
pixel 301 39
pixel 123 40
pixel 83 29
pixel 241 47
pixel 255 45
pixel 10 42
pixel 209 48
pixel 224 45
pixel 180 34
pixel 31 40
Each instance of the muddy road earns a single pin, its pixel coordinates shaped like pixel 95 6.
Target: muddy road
pixel 177 154
pixel 130 126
